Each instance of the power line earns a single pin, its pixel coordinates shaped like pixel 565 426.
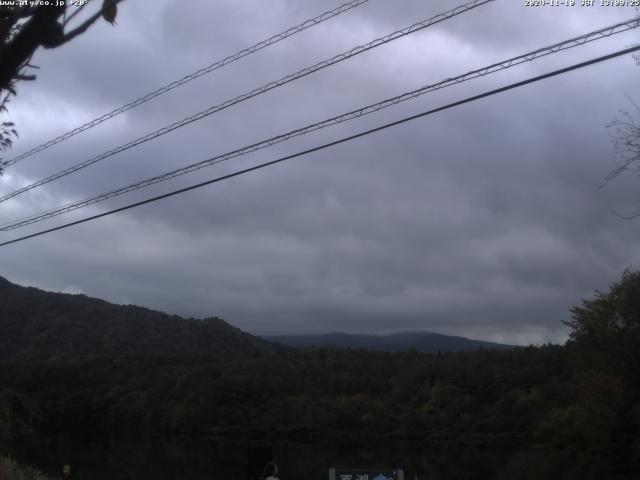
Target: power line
pixel 192 76
pixel 335 142
pixel 258 91
pixel 530 56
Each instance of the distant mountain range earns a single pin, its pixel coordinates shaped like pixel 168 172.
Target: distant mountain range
pixel 39 325
pixel 422 341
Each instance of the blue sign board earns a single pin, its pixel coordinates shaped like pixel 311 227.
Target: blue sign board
pixel 365 474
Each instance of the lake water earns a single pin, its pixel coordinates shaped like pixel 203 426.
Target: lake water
pixel 198 459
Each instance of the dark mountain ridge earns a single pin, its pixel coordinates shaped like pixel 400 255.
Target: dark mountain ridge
pixel 424 342
pixel 40 325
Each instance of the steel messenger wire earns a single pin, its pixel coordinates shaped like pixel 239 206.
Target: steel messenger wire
pixel 335 142
pixel 192 76
pixel 530 56
pixel 258 91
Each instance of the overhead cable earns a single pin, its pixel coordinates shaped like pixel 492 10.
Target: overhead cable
pixel 530 56
pixel 192 76
pixel 335 142
pixel 253 93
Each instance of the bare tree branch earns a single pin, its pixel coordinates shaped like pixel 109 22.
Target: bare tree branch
pixel 85 25
pixel 23 29
pixel 626 142
pixel 20 76
pixel 76 12
pixel 625 217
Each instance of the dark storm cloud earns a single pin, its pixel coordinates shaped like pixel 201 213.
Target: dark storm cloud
pixel 484 220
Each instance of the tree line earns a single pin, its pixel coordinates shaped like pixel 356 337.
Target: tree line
pixel 582 398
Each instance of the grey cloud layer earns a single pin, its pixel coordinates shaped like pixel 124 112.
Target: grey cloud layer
pixel 484 220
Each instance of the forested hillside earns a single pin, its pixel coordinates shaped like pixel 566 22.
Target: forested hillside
pixel 581 400
pixel 463 397
pixel 39 325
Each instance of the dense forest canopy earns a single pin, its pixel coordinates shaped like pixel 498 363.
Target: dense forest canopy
pixel 582 398
pixel 39 325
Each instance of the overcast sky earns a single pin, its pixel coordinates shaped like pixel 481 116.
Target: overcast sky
pixel 485 220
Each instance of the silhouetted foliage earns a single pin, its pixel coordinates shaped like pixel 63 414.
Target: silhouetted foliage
pixel 581 400
pixel 39 325
pixel 472 396
pixel 605 350
pixel 27 26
